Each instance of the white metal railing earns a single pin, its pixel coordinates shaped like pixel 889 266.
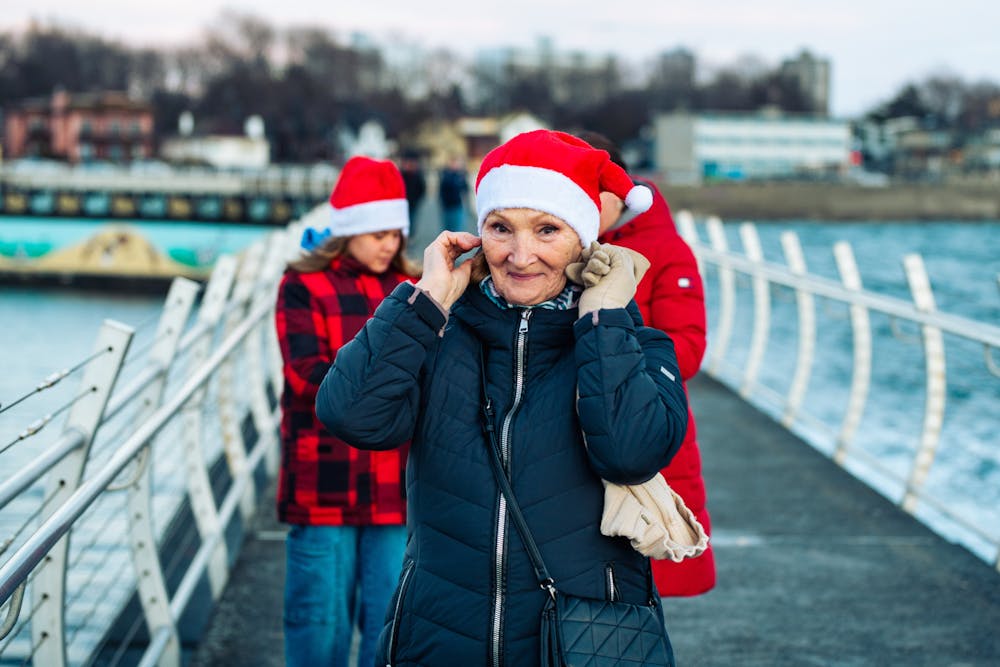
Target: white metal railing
pixel 218 363
pixel 722 269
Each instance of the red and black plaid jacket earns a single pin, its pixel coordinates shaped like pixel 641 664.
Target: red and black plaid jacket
pixel 323 480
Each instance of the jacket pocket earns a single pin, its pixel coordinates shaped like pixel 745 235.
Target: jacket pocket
pixel 397 613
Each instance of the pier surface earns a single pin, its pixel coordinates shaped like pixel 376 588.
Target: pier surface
pixel 814 568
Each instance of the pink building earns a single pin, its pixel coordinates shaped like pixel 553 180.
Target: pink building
pixel 80 127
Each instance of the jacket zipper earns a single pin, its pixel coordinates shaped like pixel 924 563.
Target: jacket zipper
pixel 609 572
pixel 522 336
pixel 397 611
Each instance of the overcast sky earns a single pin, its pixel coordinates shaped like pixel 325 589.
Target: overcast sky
pixel 874 45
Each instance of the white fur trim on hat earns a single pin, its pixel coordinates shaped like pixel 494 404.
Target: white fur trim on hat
pixel 517 186
pixel 374 216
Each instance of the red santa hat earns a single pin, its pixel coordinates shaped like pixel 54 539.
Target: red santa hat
pixel 369 197
pixel 556 173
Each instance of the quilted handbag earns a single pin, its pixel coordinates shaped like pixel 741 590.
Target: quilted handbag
pixel 576 631
pixel 581 632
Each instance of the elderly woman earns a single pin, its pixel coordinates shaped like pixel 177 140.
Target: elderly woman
pixel 581 392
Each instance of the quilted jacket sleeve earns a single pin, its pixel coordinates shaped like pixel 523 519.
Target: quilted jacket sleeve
pixel 371 395
pixel 631 402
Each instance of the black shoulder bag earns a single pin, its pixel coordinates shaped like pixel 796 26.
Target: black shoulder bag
pixel 575 630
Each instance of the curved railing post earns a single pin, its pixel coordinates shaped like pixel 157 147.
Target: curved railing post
pixel 689 232
pixel 727 296
pixel 232 433
pixel 862 335
pixel 761 308
pixel 49 586
pixel 259 354
pixel 807 329
pixel 292 248
pixel 923 297
pixel 150 582
pixel 206 514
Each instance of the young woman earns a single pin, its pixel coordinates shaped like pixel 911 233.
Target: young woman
pixel 347 508
pixel 579 391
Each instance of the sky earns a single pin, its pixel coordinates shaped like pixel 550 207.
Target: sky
pixel 875 46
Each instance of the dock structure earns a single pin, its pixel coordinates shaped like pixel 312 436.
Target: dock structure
pixel 814 567
pixel 272 196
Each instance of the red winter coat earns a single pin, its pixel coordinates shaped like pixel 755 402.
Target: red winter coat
pixel 323 480
pixel 672 299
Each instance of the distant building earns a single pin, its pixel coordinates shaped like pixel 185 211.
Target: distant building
pixel 690 148
pixel 675 68
pixel 813 77
pixel 470 138
pixel 983 151
pixel 923 152
pixel 571 77
pixel 672 79
pixel 79 127
pixel 482 135
pixel 219 151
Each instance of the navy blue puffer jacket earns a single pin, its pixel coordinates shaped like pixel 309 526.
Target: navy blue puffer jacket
pixel 467 593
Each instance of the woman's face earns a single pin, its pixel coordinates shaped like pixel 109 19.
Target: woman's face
pixel 375 250
pixel 527 252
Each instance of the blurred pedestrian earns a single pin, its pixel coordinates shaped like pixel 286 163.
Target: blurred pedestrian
pixel 346 507
pixel 498 368
pixel 415 183
pixel 672 299
pixel 453 188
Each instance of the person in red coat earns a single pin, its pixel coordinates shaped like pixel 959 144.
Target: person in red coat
pixel 346 507
pixel 672 299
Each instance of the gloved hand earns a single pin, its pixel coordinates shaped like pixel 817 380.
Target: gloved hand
pixel 609 275
pixel 654 518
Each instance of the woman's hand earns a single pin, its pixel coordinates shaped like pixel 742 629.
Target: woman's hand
pixel 442 279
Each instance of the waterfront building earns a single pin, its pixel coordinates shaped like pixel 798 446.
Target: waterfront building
pixel 470 137
pixel 983 151
pixel 923 152
pixel 812 74
pixel 250 150
pixel 79 127
pixel 690 148
pixel 219 151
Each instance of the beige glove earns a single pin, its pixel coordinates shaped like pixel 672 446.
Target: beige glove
pixel 609 275
pixel 654 518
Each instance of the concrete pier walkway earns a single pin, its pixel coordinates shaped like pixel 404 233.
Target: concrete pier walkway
pixel 815 568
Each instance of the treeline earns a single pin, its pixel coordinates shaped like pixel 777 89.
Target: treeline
pixel 945 102
pixel 309 84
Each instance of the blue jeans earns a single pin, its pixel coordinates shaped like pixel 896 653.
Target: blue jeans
pixel 338 577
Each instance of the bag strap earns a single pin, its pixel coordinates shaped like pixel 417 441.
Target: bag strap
pixel 489 428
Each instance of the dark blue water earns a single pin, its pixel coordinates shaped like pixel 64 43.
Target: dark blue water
pixel 963 264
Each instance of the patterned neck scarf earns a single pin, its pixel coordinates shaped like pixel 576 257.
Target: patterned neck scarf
pixel 565 300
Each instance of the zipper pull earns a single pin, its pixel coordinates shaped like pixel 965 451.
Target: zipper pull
pixel 525 316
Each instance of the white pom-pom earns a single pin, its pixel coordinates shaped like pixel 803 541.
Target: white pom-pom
pixel 639 198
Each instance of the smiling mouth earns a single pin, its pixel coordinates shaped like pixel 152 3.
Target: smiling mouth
pixel 523 276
